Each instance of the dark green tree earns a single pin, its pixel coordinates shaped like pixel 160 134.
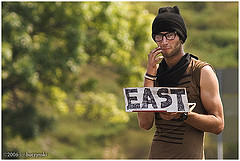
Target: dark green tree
pixel 45 46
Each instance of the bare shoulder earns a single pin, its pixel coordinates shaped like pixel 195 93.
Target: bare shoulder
pixel 207 69
pixel 208 76
pixel 209 85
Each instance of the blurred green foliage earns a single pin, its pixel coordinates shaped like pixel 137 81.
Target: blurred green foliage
pixel 64 65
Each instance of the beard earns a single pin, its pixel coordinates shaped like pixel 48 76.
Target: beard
pixel 175 50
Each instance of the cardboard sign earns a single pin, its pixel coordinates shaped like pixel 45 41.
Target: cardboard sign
pixel 155 99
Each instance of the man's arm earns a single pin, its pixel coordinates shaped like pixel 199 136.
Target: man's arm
pixel 209 92
pixel 145 119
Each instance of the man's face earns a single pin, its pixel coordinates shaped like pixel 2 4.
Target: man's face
pixel 169 43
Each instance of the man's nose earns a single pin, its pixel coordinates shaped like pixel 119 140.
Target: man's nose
pixel 164 41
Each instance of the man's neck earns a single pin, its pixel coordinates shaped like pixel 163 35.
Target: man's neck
pixel 175 59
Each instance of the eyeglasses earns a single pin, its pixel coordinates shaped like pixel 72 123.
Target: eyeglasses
pixel 168 36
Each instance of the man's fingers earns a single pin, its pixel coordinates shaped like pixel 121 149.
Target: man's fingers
pixel 153 55
pixel 157 59
pixel 154 50
pixel 169 115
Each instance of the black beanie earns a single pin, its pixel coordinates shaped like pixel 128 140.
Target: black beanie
pixel 169 19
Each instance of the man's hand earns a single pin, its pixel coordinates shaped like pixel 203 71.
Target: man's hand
pixel 170 115
pixel 153 61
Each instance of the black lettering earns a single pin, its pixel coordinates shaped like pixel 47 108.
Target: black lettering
pixel 130 105
pixel 148 94
pixel 166 103
pixel 179 92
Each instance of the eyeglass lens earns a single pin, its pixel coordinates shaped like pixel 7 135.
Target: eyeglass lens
pixel 168 36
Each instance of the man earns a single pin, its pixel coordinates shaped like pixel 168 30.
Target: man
pixel 180 135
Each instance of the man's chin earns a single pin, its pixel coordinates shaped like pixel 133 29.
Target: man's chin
pixel 167 55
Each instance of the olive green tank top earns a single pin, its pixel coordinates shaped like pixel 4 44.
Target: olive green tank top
pixel 178 140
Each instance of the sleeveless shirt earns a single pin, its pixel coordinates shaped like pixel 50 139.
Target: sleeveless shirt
pixel 178 140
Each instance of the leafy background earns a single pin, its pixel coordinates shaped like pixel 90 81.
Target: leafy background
pixel 64 65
